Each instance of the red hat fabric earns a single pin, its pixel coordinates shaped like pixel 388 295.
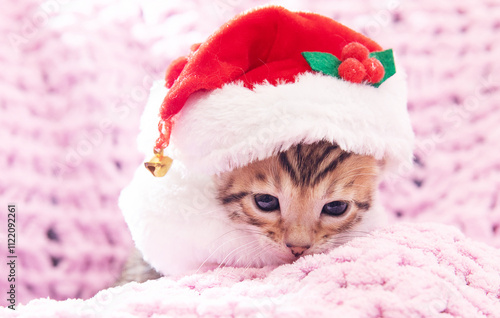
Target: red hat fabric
pixel 261 45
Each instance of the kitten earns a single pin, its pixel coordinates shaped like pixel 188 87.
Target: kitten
pixel 308 199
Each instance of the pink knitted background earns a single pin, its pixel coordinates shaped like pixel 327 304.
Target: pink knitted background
pixel 74 78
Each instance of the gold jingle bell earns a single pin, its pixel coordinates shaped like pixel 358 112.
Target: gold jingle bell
pixel 159 164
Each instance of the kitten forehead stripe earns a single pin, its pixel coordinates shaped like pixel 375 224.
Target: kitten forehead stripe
pixel 327 151
pixel 303 161
pixel 283 160
pixel 332 166
pixel 315 162
pixel 234 197
pixel 299 155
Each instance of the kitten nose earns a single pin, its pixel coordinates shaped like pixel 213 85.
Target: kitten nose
pixel 297 250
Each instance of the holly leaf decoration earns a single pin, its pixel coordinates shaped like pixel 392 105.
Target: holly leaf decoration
pixel 325 63
pixel 387 59
pixel 328 64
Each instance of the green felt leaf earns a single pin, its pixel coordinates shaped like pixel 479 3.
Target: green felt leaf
pixel 328 64
pixel 387 59
pixel 325 63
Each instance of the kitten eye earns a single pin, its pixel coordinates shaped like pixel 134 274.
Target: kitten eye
pixel 335 208
pixel 267 202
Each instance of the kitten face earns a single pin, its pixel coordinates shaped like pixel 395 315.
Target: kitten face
pixel 306 200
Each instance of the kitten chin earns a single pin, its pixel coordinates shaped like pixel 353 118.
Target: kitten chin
pixel 308 199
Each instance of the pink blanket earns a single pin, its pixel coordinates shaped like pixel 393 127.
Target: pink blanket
pixel 406 270
pixel 65 76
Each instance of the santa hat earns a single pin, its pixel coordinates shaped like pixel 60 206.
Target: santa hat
pixel 271 78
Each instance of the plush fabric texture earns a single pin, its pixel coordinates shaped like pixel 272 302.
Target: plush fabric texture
pixel 98 60
pixel 408 270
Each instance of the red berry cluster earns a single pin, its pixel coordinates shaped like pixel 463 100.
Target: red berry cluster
pixel 356 66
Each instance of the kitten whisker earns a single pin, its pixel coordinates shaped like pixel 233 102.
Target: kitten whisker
pixel 220 246
pixel 260 249
pixel 221 236
pixel 358 231
pixel 248 231
pixel 341 236
pixel 346 237
pixel 223 262
pixel 246 251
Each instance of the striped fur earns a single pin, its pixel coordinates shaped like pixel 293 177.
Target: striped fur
pixel 304 179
